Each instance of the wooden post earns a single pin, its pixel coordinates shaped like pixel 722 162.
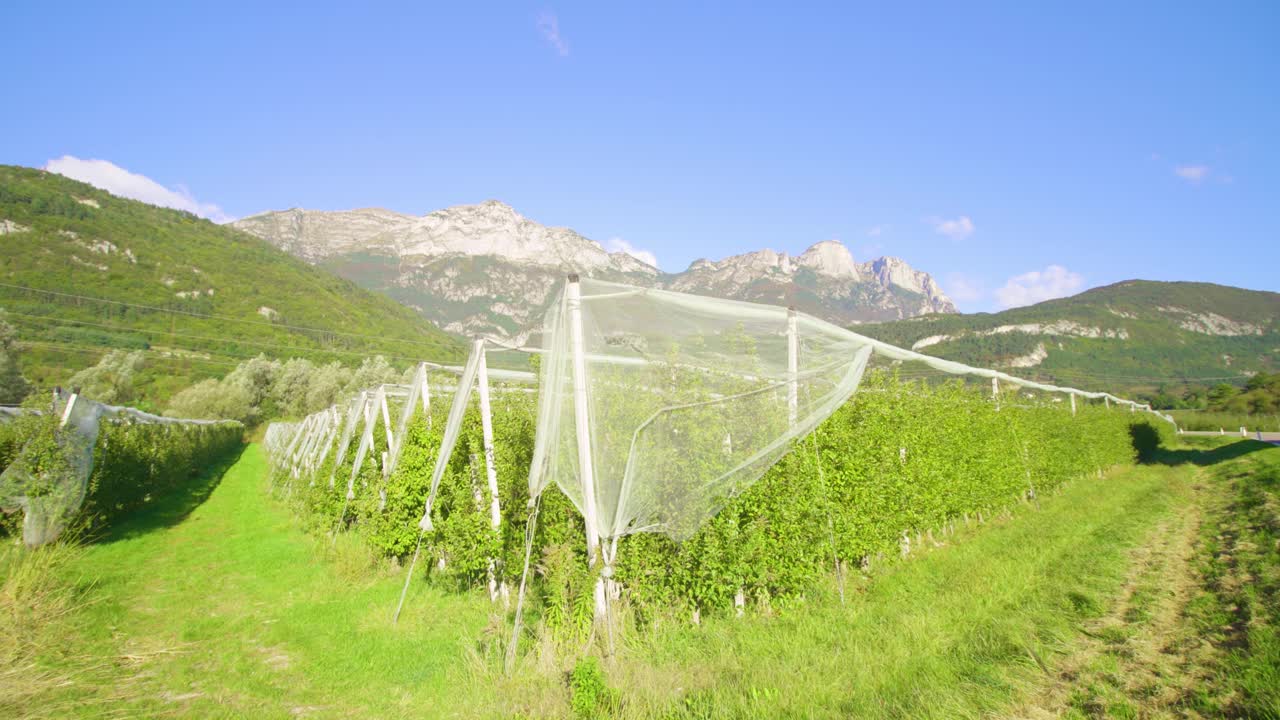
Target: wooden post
pixel 582 424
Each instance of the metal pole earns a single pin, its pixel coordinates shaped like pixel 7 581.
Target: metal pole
pixel 1073 403
pixel 582 423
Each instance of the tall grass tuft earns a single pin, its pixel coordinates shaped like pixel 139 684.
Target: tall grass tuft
pixel 35 604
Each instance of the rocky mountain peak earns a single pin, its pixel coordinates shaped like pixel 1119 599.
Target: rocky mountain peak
pixel 830 257
pixel 895 271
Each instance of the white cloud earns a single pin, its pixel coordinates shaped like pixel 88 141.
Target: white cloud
pixel 1192 173
pixel 963 288
pixel 118 181
pixel 877 231
pixel 1036 286
pixel 549 26
pixel 617 244
pixel 957 229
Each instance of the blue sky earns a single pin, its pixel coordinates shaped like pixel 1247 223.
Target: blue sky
pixel 1015 150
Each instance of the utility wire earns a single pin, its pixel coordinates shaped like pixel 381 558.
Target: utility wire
pixel 191 313
pixel 172 333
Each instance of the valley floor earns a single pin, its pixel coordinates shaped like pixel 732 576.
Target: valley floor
pixel 1151 592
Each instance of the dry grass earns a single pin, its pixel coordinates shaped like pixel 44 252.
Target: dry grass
pixel 42 675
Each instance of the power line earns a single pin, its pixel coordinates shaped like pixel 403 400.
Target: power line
pixel 171 333
pixel 96 349
pixel 1082 374
pixel 210 316
pixel 1172 378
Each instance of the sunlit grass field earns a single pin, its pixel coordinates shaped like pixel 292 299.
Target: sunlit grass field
pixel 1110 598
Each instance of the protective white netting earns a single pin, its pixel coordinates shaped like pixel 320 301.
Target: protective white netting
pixel 687 400
pixel 49 477
pixel 675 403
pixel 656 408
pixel 297 450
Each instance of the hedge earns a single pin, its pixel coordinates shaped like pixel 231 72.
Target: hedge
pixel 134 465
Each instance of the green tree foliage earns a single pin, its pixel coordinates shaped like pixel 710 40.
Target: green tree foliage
pixel 901 458
pixel 265 388
pixel 13 386
pixel 1260 396
pixel 111 380
pixel 134 464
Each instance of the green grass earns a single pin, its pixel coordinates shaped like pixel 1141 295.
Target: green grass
pixel 1230 422
pixel 956 633
pixel 1240 605
pixel 216 604
pixel 230 611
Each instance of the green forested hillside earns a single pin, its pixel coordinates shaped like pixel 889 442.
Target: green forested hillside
pixel 83 271
pixel 1137 336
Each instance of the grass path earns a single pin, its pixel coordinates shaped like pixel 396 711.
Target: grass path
pixel 1141 594
pixel 961 632
pixel 231 611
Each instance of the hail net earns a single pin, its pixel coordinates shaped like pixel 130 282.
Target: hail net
pixel 689 400
pixel 352 432
pixel 684 401
pixel 48 479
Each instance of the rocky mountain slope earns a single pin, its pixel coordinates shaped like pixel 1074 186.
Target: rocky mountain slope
pixel 1135 335
pixel 83 271
pixel 487 269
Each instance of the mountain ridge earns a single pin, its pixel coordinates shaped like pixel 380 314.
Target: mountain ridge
pixel 1133 336
pixel 445 262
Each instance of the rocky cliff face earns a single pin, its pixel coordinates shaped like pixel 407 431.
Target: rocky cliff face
pixel 487 269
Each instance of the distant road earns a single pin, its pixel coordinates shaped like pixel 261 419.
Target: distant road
pixel 1271 437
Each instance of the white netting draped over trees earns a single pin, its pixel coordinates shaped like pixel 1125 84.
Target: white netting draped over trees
pixel 657 408
pixel 688 401
pixel 679 402
pixel 48 479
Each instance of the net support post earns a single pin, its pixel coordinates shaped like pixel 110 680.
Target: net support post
pixel 496 587
pixel 582 426
pixel 386 418
pixel 1073 403
pixel 426 392
pixel 793 367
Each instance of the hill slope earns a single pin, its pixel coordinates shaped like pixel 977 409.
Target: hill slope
pixel 1132 336
pixel 82 270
